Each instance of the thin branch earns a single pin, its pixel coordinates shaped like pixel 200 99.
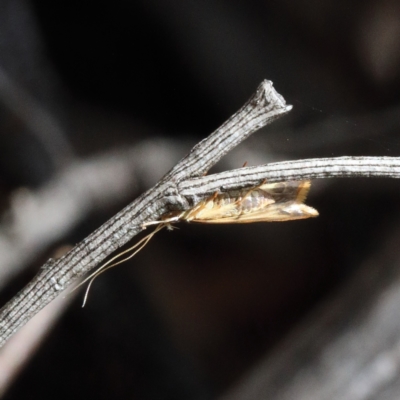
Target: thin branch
pixel 37 219
pixel 56 275
pixel 180 189
pixel 337 167
pixel 23 345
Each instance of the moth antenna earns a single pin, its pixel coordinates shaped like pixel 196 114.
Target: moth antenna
pixel 105 268
pixel 142 243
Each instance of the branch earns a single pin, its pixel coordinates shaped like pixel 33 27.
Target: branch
pixel 56 275
pixel 182 188
pixel 37 219
pixel 23 345
pixel 336 167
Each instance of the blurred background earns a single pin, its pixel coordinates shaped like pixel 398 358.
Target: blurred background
pixel 99 100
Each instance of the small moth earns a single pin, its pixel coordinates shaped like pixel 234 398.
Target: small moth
pixel 267 202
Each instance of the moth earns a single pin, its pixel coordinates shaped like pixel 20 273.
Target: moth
pixel 267 202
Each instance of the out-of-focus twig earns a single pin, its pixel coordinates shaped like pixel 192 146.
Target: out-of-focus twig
pixel 19 350
pixel 40 218
pixel 37 119
pixel 348 349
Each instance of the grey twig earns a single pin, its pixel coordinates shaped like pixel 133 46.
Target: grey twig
pixel 336 167
pixel 38 219
pixel 56 275
pixel 23 345
pixel 180 189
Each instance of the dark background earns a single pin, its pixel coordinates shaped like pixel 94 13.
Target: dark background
pixel 200 305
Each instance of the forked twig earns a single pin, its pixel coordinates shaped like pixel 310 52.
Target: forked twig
pixel 56 275
pixel 181 189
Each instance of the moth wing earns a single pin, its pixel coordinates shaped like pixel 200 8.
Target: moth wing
pixel 281 212
pixel 209 214
pixel 273 213
pixel 287 191
pixel 283 202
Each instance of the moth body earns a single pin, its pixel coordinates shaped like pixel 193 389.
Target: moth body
pixel 283 201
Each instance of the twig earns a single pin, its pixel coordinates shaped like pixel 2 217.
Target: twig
pixel 37 219
pixel 23 345
pixel 336 167
pixel 56 275
pixel 180 189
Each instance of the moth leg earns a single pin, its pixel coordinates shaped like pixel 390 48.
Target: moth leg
pixel 193 212
pixel 167 221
